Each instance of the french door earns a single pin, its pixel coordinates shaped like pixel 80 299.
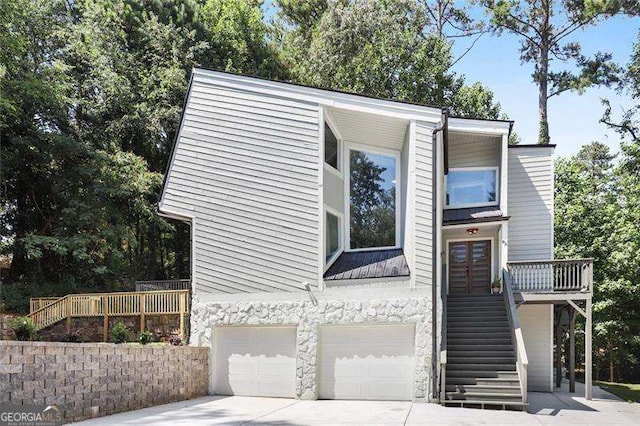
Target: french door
pixel 470 267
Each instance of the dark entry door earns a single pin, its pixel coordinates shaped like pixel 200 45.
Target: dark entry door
pixel 470 267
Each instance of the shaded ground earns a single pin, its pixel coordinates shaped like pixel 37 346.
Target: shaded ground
pixel 559 408
pixel 628 391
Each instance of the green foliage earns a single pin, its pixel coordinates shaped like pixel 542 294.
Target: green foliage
pixel 23 327
pixel 119 333
pixel 382 49
pixel 544 28
pixel 597 213
pixel 145 337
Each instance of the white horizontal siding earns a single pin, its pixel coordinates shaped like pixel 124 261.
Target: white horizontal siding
pixel 424 204
pixel 536 322
pixel 469 150
pixel 246 167
pixel 530 203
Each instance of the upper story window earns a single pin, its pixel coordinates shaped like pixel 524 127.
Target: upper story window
pixel 331 148
pixel 373 199
pixel 472 187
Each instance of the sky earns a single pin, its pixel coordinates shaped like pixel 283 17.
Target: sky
pixel 574 119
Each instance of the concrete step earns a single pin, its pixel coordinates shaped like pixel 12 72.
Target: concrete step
pixel 505 389
pixel 464 360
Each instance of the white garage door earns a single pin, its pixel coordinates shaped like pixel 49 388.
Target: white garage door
pixel 255 361
pixel 367 362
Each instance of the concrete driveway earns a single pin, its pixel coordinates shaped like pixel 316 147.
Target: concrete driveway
pixel 544 409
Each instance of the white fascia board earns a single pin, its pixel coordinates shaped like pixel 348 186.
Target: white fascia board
pixel 320 96
pixel 164 212
pixel 471 125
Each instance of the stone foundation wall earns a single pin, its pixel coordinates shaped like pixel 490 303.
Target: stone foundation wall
pixel 308 316
pixel 87 380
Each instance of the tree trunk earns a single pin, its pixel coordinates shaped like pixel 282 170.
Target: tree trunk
pixel 543 78
pixel 611 375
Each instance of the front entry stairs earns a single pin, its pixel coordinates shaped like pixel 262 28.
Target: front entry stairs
pixel 481 366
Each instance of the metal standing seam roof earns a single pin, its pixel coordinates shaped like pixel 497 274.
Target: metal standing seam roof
pixel 377 263
pixel 472 215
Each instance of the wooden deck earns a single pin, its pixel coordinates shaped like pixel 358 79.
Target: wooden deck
pixel 46 311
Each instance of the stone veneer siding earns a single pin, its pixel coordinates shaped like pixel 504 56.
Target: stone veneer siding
pixel 307 316
pixel 87 380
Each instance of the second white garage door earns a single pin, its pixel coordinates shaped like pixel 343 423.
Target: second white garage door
pixel 367 362
pixel 255 361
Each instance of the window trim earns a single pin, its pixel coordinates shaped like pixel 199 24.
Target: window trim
pixel 348 147
pixel 329 121
pixel 336 255
pixel 495 169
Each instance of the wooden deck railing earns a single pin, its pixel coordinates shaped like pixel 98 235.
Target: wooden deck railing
pixel 141 303
pixel 571 275
pixel 36 303
pixel 155 285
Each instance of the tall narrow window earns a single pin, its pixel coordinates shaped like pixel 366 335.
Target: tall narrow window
pixel 332 231
pixel 372 199
pixel 330 147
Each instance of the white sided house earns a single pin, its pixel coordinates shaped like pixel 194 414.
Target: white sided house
pixel 344 247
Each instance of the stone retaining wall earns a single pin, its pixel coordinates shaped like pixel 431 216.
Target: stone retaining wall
pixel 87 380
pixel 307 316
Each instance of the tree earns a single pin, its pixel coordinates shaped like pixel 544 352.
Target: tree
pixel 544 28
pixel 383 49
pixel 90 101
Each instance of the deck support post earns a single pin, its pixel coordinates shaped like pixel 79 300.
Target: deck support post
pixel 559 347
pixel 182 310
pixel 588 352
pixel 572 350
pixel 105 327
pixel 142 312
pixel 68 308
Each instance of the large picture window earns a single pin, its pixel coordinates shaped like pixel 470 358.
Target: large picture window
pixel 373 199
pixel 472 187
